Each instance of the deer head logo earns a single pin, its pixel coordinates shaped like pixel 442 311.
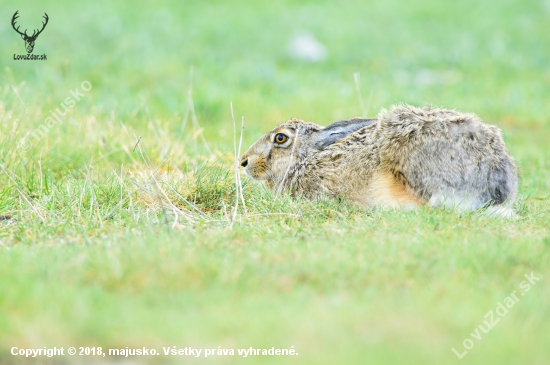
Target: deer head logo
pixel 29 40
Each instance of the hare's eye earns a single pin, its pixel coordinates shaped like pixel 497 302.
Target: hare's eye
pixel 280 138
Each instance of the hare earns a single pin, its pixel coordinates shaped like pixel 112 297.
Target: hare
pixel 407 157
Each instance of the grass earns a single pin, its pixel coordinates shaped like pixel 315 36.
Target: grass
pixel 116 225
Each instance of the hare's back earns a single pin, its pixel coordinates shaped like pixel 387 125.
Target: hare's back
pixel 447 157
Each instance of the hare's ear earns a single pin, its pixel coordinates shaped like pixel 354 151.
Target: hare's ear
pixel 338 130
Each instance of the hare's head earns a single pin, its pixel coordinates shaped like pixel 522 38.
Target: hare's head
pixel 279 152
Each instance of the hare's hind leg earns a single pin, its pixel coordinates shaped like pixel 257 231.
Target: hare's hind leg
pixel 388 191
pixel 447 158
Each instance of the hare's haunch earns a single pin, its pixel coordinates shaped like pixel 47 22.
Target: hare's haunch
pixel 406 157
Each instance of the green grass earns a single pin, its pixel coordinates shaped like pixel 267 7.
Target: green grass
pixel 107 241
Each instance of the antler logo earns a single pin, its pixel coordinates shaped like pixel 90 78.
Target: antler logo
pixel 29 40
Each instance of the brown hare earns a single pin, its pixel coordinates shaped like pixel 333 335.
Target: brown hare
pixel 407 157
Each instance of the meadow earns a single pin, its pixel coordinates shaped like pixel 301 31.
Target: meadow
pixel 120 224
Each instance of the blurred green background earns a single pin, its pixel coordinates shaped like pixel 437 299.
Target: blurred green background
pixel 82 265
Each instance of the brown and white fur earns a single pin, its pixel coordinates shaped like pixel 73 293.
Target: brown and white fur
pixel 407 157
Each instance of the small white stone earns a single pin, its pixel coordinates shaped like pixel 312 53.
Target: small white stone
pixel 304 46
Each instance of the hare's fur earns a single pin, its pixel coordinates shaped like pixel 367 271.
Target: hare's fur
pixel 406 157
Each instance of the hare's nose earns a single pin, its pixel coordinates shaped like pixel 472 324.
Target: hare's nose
pixel 244 162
